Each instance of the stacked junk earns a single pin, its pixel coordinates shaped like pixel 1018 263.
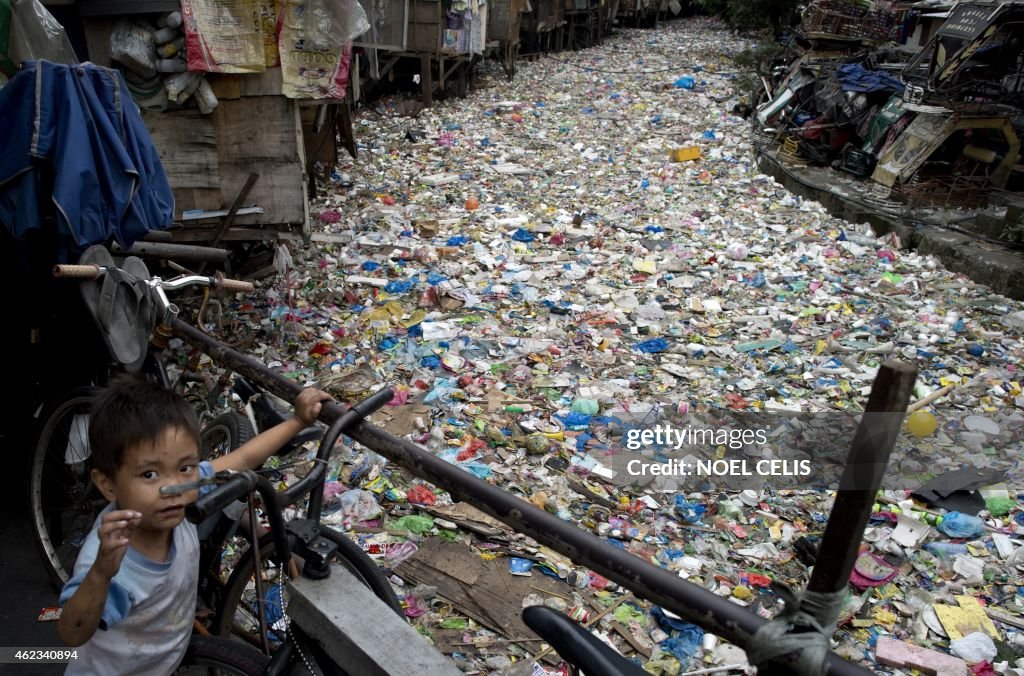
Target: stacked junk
pixel 152 60
pixel 924 98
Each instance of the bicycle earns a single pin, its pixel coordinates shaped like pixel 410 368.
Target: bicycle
pixel 236 601
pixel 64 501
pixel 317 545
pixel 63 493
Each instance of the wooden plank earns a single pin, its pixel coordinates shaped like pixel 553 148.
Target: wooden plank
pixel 225 85
pixel 186 141
pixel 259 127
pixel 236 234
pixel 97 39
pixel 267 83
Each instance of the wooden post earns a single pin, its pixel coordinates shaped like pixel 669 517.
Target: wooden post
pixel 426 80
pixel 867 462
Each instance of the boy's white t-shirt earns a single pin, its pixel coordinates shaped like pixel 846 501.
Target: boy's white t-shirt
pixel 147 621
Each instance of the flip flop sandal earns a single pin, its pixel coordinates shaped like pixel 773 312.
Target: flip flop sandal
pixel 120 305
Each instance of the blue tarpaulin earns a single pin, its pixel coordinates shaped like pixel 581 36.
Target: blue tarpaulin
pixel 77 128
pixel 855 78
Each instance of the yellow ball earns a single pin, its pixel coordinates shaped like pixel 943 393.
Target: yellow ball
pixel 921 423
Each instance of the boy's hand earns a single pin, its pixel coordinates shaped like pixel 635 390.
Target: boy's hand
pixel 113 534
pixel 308 404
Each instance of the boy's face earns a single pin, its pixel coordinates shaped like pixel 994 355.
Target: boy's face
pixel 172 459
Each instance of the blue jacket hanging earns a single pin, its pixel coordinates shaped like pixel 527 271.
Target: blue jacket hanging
pixel 80 123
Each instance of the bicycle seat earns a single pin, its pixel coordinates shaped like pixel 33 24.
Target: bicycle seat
pixel 576 645
pixel 268 414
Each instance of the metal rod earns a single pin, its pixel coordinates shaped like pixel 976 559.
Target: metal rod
pixel 254 547
pixel 698 605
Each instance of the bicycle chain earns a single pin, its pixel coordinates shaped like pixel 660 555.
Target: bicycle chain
pixel 288 625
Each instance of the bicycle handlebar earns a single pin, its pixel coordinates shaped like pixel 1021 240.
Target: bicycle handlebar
pixel 78 271
pixel 218 281
pixel 243 483
pixel 238 485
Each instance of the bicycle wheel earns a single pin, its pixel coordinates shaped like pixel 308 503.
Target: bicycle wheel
pixel 238 614
pixel 224 434
pixel 65 501
pixel 208 655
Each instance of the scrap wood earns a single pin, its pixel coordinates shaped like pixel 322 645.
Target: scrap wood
pixel 628 635
pixel 469 517
pixel 582 489
pixel 483 590
pixel 1005 618
pixel 895 653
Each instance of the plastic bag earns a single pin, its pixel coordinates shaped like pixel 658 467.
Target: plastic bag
pixel 133 45
pixel 329 22
pixel 31 34
pixel 957 525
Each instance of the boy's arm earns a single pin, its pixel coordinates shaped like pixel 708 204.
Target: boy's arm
pixel 253 453
pixel 94 595
pixel 81 615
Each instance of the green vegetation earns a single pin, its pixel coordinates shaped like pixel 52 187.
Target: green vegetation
pixel 754 14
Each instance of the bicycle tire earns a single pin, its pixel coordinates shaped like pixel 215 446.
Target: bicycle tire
pixel 349 555
pixel 233 429
pixel 63 498
pixel 221 656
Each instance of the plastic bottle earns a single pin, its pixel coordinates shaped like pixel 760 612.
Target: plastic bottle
pixel 205 98
pixel 171 66
pixel 172 20
pixel 946 548
pixel 169 49
pixel 165 35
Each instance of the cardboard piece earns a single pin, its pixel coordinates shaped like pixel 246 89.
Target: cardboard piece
pixel 966 618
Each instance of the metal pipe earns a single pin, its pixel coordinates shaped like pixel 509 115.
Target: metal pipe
pixel 698 605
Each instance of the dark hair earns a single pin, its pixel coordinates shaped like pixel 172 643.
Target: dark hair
pixel 130 412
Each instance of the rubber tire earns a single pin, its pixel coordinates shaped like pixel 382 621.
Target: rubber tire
pixel 235 427
pixel 46 466
pixel 226 656
pixel 353 558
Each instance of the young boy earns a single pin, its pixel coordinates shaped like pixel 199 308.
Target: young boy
pixel 132 598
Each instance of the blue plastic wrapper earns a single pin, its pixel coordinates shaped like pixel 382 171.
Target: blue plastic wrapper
pixel 689 511
pixel 685 637
pixel 435 278
pixel 957 525
pixel 370 266
pixel 685 82
pixel 272 608
pixel 431 361
pixel 651 346
pixel 523 235
pixel 576 421
pixel 685 644
pixel 398 286
pixel 388 343
pixel 458 240
pixel 518 566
